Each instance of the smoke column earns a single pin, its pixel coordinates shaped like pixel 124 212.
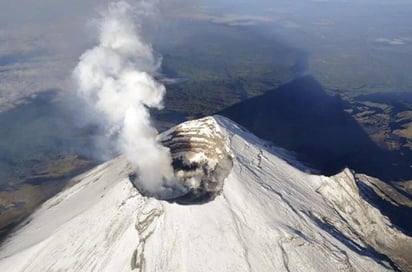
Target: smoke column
pixel 116 80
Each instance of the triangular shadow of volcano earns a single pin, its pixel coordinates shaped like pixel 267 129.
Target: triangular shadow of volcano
pixel 301 117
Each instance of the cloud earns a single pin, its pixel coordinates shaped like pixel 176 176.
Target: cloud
pixel 394 41
pixel 40 41
pixel 37 50
pixel 228 19
pixel 240 19
pixel 116 79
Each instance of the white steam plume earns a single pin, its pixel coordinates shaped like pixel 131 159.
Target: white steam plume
pixel 116 80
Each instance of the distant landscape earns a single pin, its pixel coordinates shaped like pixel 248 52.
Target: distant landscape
pixel 43 144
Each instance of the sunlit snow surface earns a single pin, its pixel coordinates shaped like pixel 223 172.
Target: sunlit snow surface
pixel 271 216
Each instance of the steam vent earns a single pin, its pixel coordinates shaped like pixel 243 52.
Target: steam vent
pixel 201 159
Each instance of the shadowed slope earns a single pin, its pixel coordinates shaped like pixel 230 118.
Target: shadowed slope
pixel 301 117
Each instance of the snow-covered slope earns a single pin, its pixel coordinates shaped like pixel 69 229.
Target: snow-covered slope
pixel 270 216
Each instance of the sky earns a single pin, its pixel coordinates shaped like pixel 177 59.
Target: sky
pixel 41 40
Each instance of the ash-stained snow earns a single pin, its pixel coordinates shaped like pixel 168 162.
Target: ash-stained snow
pixel 271 216
pixel 201 159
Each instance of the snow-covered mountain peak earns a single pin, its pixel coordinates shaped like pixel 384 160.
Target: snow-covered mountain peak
pixel 270 216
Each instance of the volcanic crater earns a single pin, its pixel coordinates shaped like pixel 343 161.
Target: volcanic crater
pixel 201 161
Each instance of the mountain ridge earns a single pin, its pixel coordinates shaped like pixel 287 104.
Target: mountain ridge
pixel 270 216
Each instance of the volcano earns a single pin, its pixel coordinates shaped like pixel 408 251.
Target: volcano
pixel 247 206
pixel 201 161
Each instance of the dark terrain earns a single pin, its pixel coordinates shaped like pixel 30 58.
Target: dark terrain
pixel 41 148
pixel 300 116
